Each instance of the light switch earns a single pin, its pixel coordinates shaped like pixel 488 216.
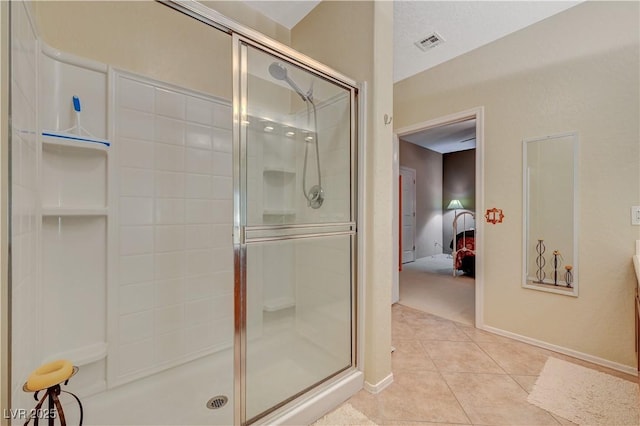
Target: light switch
pixel 635 215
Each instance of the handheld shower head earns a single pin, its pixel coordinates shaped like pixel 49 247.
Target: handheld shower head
pixel 315 196
pixel 279 72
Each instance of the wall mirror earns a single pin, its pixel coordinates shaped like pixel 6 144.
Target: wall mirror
pixel 550 205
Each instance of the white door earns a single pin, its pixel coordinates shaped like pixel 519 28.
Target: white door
pixel 408 214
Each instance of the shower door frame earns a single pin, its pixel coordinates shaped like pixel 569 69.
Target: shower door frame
pixel 353 378
pixel 240 44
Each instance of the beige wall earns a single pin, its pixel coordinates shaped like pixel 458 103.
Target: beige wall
pixel 356 39
pixel 151 39
pixel 143 37
pixel 576 71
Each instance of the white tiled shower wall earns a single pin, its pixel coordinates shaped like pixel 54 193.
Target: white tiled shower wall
pixel 175 252
pixel 24 201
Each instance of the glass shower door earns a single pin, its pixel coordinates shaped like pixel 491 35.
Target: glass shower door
pixel 295 229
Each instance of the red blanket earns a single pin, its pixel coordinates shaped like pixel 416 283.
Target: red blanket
pixel 467 243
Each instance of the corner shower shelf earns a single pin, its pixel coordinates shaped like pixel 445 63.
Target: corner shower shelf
pixel 278 170
pixel 65 211
pixel 85 355
pixel 74 141
pixel 278 304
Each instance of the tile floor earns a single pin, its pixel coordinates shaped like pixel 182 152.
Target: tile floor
pixel 448 373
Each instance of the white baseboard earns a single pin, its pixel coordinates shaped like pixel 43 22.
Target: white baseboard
pixel 380 386
pixel 565 351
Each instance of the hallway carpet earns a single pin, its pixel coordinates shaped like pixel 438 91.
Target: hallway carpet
pixel 428 285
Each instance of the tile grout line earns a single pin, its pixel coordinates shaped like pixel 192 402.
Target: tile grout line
pixel 511 376
pixel 445 380
pixel 461 328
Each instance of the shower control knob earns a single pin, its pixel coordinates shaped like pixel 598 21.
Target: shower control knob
pixel 316 196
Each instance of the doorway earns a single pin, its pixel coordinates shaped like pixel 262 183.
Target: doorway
pixel 408 214
pixel 445 279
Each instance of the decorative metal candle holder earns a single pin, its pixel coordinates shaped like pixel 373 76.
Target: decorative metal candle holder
pixel 556 262
pixel 568 275
pixel 540 261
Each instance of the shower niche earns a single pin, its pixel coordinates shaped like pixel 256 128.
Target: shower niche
pixel 273 171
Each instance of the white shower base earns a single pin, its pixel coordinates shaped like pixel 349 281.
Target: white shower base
pixel 178 396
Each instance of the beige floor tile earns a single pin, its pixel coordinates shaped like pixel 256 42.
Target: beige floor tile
pixel 422 322
pixel 420 396
pixel 417 313
pixel 516 357
pixel 460 357
pixel 397 423
pixel 400 330
pixel 441 330
pixel 410 355
pixel 396 312
pixel 495 399
pixel 478 335
pixel 448 373
pixel 526 382
pixel 410 313
pixel 367 403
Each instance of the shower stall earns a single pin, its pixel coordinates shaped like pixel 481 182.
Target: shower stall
pixel 183 217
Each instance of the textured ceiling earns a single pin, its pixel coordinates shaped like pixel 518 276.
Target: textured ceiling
pixel 452 137
pixel 465 25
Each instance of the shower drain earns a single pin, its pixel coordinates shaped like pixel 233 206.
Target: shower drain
pixel 217 402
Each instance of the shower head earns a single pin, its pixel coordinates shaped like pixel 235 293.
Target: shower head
pixel 279 72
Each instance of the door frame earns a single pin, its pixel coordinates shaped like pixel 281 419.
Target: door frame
pixel 476 113
pixel 413 233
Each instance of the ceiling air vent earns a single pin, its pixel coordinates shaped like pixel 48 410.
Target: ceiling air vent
pixel 430 41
